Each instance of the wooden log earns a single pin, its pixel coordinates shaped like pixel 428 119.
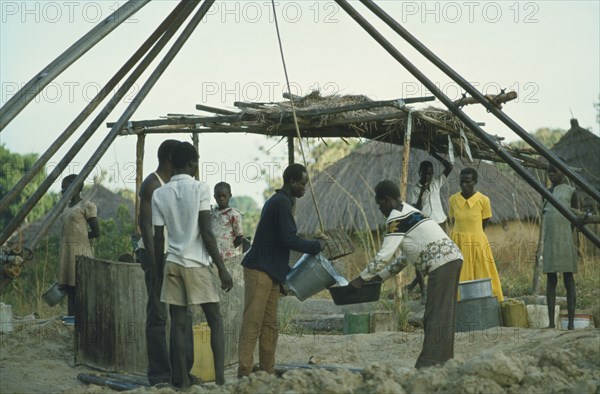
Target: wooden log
pixel 150 45
pixel 111 315
pixel 185 121
pixel 28 92
pixel 398 103
pixel 214 110
pixel 290 96
pixel 139 98
pixel 495 99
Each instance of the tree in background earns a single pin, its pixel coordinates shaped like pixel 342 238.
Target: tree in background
pixel 12 168
pixel 545 135
pixel 319 155
pixel 250 210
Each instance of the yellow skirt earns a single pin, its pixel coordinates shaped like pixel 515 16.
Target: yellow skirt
pixel 478 260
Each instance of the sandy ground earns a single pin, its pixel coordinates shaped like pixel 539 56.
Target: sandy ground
pixel 38 357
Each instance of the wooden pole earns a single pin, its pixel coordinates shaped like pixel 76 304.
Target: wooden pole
pixel 403 188
pixel 460 114
pixel 290 142
pixel 68 57
pixel 102 94
pixel 181 14
pixel 139 176
pixel 196 144
pixel 144 90
pixel 488 104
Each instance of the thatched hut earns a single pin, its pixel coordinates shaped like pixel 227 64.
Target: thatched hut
pixel 581 150
pixel 344 190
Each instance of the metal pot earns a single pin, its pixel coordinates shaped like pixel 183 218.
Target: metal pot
pixel 477 288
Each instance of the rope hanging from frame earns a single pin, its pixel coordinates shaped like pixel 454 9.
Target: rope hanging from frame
pixel 287 80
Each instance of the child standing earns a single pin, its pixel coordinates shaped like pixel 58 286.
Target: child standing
pixel 226 224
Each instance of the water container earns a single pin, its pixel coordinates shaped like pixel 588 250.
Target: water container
pixel 53 295
pixel 204 364
pixel 356 323
pixel 514 314
pixel 477 314
pixel 6 318
pixel 537 316
pixel 312 274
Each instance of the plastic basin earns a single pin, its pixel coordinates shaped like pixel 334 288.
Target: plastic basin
pixel 345 295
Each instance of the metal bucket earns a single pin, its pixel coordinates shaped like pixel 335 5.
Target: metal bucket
pixel 312 274
pixel 477 288
pixel 54 295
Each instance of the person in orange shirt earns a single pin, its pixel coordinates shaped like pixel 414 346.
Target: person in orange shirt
pixel 470 211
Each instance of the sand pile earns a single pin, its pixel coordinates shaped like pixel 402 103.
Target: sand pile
pixel 38 357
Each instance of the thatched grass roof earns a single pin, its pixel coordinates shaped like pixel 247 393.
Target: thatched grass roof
pixel 345 194
pixel 343 117
pixel 581 150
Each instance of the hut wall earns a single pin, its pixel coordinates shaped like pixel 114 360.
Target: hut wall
pixel 111 315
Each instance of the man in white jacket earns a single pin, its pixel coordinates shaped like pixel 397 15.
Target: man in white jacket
pixel 412 238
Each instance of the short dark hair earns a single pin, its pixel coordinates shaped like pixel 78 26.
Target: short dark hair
pixel 223 185
pixel 387 188
pixel 469 171
pixel 182 154
pixel 165 149
pixel 70 178
pixel 293 172
pixel 425 164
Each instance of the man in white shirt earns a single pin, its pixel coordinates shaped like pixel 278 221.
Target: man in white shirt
pixel 190 277
pixel 423 243
pixel 425 196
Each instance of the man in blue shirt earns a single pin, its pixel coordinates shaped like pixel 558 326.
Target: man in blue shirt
pixel 266 266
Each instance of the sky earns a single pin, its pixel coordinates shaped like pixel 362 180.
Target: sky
pixel 547 51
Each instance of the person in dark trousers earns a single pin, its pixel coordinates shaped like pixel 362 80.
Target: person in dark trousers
pixel 266 266
pixel 193 264
pixel 426 198
pixel 412 238
pixel 159 366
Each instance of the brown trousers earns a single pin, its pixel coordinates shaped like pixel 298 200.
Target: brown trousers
pixel 259 322
pixel 440 313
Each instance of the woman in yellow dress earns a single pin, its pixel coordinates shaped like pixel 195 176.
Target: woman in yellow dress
pixel 470 211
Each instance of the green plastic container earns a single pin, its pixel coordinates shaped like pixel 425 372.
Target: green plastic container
pixel 356 323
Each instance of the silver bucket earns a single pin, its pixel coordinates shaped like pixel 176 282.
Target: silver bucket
pixel 312 274
pixel 54 295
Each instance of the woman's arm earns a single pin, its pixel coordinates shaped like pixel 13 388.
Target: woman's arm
pixel 94 228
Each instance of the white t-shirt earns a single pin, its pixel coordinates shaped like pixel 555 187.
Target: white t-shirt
pixel 176 206
pixel 431 202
